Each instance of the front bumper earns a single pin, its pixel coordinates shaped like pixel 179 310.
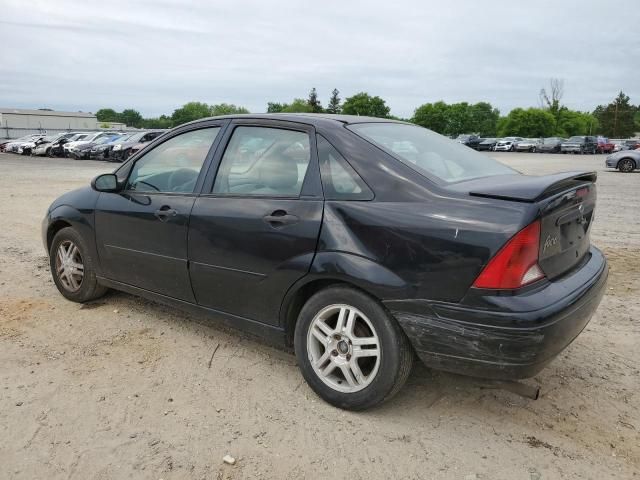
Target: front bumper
pixel 505 337
pixel 572 149
pixel 502 148
pixel 611 163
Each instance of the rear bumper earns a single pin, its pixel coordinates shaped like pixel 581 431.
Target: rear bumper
pixel 505 337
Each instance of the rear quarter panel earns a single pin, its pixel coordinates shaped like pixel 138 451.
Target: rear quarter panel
pixel 415 250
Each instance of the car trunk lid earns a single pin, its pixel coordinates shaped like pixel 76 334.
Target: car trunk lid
pixel 566 206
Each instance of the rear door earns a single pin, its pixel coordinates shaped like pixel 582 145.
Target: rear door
pixel 141 232
pixel 253 233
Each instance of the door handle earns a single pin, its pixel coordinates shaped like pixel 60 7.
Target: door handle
pixel 165 212
pixel 280 218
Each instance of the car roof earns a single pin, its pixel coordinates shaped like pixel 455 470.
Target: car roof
pixel 310 118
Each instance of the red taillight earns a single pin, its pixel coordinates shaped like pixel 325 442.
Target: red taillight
pixel 515 264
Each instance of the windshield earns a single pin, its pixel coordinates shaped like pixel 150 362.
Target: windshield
pixel 429 153
pixel 550 140
pixel 576 139
pixel 136 137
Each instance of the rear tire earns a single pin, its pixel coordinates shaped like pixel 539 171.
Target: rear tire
pixel 626 165
pixel 350 350
pixel 72 268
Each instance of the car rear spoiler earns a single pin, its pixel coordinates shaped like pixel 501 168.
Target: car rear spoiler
pixel 524 188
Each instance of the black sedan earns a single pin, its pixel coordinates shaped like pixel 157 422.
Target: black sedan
pixel 487 144
pixel 358 241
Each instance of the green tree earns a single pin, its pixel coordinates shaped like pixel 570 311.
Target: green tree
pixel 189 112
pixel 364 104
pixel 107 115
pixel 334 102
pixel 433 116
pixel 297 106
pixel 571 122
pixel 226 109
pixel 131 118
pixel 617 119
pixel 163 121
pixel 314 103
pixel 458 118
pixel 484 118
pixel 273 107
pixel 532 122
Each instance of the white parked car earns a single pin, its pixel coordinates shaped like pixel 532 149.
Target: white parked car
pixel 13 146
pixel 507 144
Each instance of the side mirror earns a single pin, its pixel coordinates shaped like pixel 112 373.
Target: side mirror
pixel 107 182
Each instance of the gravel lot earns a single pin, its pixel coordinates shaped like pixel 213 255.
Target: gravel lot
pixel 124 388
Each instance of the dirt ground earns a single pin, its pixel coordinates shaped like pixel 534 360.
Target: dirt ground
pixel 124 388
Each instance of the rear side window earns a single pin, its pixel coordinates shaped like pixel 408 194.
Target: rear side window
pixel 339 180
pixel 264 161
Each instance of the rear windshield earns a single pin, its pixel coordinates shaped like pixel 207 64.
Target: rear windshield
pixel 429 153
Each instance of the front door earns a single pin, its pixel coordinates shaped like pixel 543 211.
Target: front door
pixel 141 232
pixel 256 232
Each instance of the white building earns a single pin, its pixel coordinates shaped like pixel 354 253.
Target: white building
pixel 16 122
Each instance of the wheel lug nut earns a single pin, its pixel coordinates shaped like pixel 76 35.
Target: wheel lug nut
pixel 337 336
pixel 334 353
pixel 348 356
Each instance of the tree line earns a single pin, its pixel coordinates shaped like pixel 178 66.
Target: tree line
pixel 618 119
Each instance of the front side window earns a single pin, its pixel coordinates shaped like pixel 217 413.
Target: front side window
pixel 264 161
pixel 429 153
pixel 174 165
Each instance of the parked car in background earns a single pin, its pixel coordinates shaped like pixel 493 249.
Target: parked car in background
pixel 470 140
pixel 507 144
pixel 57 147
pixel 12 146
pixel 103 151
pixel 632 144
pixel 626 160
pixel 342 238
pixel 83 151
pixel 580 144
pixel 44 146
pixel 527 145
pixel 550 145
pixel 70 147
pixel 122 150
pixel 604 145
pixel 487 144
pixel 26 147
pixel 40 147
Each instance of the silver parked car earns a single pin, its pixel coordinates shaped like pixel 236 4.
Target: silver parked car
pixel 626 160
pixel 528 145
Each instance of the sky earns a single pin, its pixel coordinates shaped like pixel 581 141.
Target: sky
pixel 156 55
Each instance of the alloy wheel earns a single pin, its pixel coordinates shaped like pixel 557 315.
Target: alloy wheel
pixel 343 348
pixel 69 266
pixel 626 165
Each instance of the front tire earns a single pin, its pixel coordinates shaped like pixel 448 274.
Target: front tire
pixel 73 268
pixel 351 352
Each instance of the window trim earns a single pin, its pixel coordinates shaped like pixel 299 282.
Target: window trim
pixel 159 140
pixel 311 185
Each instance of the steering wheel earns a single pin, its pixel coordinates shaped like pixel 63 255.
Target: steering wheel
pixel 181 177
pixel 145 183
